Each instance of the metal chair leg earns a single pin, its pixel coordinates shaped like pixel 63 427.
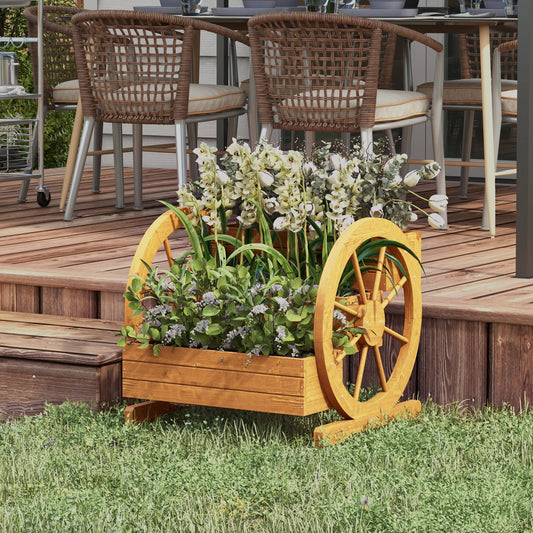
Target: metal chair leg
pixel 118 161
pixel 88 127
pixel 181 152
pixel 137 167
pixel 192 142
pixel 97 159
pixel 468 129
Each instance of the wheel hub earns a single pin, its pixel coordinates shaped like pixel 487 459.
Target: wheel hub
pixel 373 322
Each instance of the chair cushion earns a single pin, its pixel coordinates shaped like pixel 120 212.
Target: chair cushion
pixel 206 98
pixel 509 102
pixel 391 105
pixel 66 92
pixel 466 91
pixel 203 98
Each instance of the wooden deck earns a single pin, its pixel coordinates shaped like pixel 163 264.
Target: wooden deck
pixel 477 322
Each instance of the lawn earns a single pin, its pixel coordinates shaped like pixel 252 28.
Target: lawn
pixel 203 470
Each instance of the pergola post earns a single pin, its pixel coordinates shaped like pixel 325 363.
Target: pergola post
pixel 524 185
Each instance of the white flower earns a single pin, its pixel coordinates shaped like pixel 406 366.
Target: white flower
pixel 265 178
pixel 376 211
pixel 222 177
pixel 411 178
pixel 438 202
pixel 436 221
pixel 413 217
pixel 280 223
pixel 397 181
pixel 336 161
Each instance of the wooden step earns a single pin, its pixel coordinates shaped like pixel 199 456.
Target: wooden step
pixel 50 359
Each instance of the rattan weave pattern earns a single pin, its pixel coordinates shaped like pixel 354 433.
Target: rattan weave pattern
pixel 469 54
pixel 135 67
pixel 317 72
pixel 59 64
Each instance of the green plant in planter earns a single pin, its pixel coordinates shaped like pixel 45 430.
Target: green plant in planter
pixel 237 292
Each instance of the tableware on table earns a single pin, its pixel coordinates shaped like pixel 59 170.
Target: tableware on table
pixel 190 7
pixel 509 8
pixel 318 6
pixel 387 4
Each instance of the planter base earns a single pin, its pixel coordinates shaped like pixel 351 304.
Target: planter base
pixel 339 431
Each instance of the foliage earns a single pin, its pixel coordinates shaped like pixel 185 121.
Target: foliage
pixel 234 294
pixel 329 189
pixel 220 471
pixel 58 124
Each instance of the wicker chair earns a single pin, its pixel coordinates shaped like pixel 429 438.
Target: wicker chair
pixel 135 67
pixel 504 100
pixel 465 94
pixel 320 72
pixel 61 88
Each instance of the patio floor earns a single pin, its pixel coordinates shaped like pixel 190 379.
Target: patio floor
pixel 478 318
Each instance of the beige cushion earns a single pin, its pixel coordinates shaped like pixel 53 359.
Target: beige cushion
pixel 203 98
pixel 509 102
pixel 67 92
pixel 390 105
pixel 463 91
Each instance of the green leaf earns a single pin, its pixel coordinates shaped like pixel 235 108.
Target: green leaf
pixel 293 316
pixel 210 310
pixel 214 329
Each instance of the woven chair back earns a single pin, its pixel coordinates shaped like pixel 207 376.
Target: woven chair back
pixel 321 72
pixel 133 67
pixel 59 64
pixel 469 54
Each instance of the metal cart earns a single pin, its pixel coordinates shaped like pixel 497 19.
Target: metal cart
pixel 21 139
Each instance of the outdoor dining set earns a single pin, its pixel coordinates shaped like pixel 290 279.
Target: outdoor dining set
pixel 310 72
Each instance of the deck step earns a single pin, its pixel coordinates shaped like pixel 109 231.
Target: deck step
pixel 50 359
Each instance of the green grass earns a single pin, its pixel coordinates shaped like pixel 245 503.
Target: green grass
pixel 220 470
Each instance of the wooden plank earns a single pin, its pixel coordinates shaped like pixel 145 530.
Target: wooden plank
pixel 511 365
pixel 69 302
pixel 453 365
pixel 251 401
pixel 213 378
pixel 190 357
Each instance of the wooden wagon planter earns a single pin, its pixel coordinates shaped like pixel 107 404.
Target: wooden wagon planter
pixel 284 385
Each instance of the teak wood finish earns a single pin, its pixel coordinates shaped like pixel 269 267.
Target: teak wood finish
pixel 285 385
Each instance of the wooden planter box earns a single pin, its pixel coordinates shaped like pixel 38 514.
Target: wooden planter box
pixel 272 384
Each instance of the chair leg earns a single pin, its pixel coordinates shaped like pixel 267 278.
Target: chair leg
pixel 72 153
pixel 266 132
pixel 181 152
pixel 97 159
pixel 253 118
pixel 192 142
pixel 309 143
pixel 118 163
pixel 468 129
pixel 137 167
pixel 367 142
pixel 88 127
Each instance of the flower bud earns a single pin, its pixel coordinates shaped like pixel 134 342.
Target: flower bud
pixel 222 178
pixel 411 178
pixel 438 202
pixel 376 211
pixel 436 221
pixel 265 178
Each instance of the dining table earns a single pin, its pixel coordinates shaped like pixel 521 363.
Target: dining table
pixel 432 23
pixel 425 22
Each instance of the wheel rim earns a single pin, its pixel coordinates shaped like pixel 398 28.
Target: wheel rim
pixel 366 307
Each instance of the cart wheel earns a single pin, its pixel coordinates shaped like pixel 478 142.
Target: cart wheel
pixel 363 303
pixel 155 248
pixel 43 197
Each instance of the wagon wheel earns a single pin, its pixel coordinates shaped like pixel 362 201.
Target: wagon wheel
pixel 363 306
pixel 155 246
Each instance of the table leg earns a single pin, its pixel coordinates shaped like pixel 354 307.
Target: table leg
pixel 488 128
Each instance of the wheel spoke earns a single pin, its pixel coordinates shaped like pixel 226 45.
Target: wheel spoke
pixel 395 290
pixel 379 272
pixel 360 373
pixel 381 372
pixel 359 278
pixel 168 252
pixel 346 309
pixel 396 335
